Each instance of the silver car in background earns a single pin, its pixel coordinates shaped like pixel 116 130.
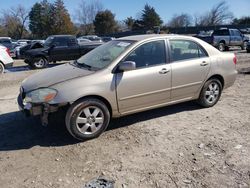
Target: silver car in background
pixel 128 75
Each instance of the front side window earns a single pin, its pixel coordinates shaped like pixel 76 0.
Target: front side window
pixel 149 54
pixel 184 49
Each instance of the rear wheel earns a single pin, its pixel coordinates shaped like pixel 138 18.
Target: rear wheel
pixel 1 68
pixel 210 93
pixel 244 46
pixel 87 119
pixel 40 63
pixel 222 47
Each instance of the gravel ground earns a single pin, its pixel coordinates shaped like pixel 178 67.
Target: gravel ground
pixel 177 146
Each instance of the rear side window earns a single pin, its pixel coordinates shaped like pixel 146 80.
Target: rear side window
pixel 72 42
pixel 5 41
pixel 148 54
pixel 184 50
pixel 61 41
pixel 221 32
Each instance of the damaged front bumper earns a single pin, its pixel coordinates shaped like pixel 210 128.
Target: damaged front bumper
pixel 42 109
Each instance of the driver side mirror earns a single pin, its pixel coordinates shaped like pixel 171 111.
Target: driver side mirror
pixel 127 66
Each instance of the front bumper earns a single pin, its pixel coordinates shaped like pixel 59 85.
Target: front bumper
pixel 28 108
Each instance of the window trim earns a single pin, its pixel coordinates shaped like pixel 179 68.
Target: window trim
pixel 188 40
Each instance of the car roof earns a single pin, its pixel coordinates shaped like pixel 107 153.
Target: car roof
pixel 154 36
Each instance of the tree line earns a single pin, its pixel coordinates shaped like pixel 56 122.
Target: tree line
pixel 45 18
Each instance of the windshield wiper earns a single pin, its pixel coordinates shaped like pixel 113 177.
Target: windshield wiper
pixel 83 65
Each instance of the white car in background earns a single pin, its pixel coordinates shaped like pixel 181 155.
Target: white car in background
pixel 5 59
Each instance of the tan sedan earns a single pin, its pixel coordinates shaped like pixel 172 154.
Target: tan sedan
pixel 126 76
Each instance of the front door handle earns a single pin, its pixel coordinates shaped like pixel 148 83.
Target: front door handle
pixel 204 63
pixel 164 71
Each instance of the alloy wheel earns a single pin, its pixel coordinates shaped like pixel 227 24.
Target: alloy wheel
pixel 90 120
pixel 212 92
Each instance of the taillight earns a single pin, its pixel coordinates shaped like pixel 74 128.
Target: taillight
pixel 235 59
pixel 8 51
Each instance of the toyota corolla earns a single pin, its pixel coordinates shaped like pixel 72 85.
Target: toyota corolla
pixel 126 76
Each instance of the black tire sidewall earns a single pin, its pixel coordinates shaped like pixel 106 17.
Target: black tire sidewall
pixel 73 113
pixel 202 101
pixel 2 68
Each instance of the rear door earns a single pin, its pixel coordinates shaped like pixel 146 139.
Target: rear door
pixel 150 84
pixel 190 66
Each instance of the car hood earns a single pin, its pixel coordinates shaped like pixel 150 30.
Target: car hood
pixel 53 76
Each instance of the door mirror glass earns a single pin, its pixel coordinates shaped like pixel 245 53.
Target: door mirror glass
pixel 127 66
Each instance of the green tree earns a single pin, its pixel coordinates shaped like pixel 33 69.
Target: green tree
pixel 242 21
pixel 50 19
pixel 62 21
pixel 129 21
pixel 105 22
pixel 150 18
pixel 41 19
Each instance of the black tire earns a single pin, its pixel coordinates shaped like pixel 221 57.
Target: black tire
pixel 221 47
pixel 39 63
pixel 244 46
pixel 76 110
pixel 248 51
pixel 204 98
pixel 1 68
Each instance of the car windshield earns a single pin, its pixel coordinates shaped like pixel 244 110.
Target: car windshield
pixel 48 41
pixel 104 55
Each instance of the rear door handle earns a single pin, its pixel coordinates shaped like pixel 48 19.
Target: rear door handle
pixel 204 63
pixel 164 71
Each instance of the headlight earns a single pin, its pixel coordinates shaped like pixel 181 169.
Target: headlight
pixel 40 95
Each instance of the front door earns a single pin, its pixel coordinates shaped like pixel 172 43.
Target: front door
pixel 190 66
pixel 150 84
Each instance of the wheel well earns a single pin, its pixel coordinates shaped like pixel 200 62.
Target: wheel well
pixel 105 101
pixel 41 56
pixel 222 41
pixel 219 77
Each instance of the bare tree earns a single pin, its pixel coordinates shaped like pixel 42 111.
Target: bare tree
pixel 14 20
pixel 86 14
pixel 218 15
pixel 182 20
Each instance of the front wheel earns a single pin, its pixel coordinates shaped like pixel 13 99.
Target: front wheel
pixel 210 93
pixel 40 63
pixel 1 68
pixel 87 119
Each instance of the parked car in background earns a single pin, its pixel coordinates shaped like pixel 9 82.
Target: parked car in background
pixel 57 48
pixel 126 76
pixel 7 42
pixel 5 59
pixel 107 39
pixel 22 42
pixel 92 38
pixel 82 41
pixel 225 38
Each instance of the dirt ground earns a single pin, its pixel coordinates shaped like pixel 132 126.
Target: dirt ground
pixel 177 146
